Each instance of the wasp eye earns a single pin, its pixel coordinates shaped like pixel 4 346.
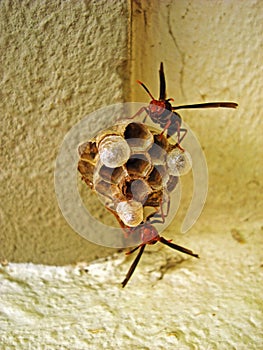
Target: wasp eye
pixel 114 151
pixel 179 162
pixel 130 212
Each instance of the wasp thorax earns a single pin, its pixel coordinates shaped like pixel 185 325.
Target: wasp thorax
pixel 179 162
pixel 130 212
pixel 114 151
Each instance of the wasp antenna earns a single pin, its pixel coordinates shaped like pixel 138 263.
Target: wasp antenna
pixel 208 105
pixel 177 247
pixel 133 266
pixel 146 89
pixel 162 83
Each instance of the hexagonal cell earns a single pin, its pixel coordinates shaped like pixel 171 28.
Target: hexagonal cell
pixel 138 137
pixel 157 154
pixel 87 170
pixel 130 212
pixel 160 141
pixel 154 199
pixel 137 190
pixel 158 177
pixel 88 151
pixel 114 151
pixel 103 188
pixel 139 165
pixel 108 191
pixel 110 175
pixel 178 162
pixel 114 130
pixel 172 182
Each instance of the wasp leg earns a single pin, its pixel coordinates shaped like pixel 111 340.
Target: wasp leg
pixel 167 208
pixel 165 128
pixel 133 266
pixel 140 111
pixel 124 228
pixel 159 213
pixel 182 137
pixel 177 247
pixel 133 250
pixel 144 119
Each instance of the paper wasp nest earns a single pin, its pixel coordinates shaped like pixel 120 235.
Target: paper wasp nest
pixel 131 167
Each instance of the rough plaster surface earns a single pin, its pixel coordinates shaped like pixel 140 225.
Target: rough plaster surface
pixel 211 51
pixel 172 301
pixel 59 62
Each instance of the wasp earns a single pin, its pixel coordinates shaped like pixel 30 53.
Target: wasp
pixel 148 235
pixel 163 113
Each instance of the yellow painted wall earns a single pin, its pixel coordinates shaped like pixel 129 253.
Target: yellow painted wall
pixel 212 51
pixel 60 60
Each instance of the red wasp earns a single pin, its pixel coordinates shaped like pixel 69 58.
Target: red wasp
pixel 163 113
pixel 148 235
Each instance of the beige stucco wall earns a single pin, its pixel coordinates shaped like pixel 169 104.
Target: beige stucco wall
pixel 60 62
pixel 212 51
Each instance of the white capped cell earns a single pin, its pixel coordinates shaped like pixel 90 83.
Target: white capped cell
pixel 114 151
pixel 179 162
pixel 130 212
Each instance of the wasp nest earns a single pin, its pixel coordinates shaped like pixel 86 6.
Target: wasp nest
pixel 131 168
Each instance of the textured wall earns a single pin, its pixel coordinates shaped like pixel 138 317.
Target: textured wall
pixel 171 302
pixel 59 62
pixel 212 51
